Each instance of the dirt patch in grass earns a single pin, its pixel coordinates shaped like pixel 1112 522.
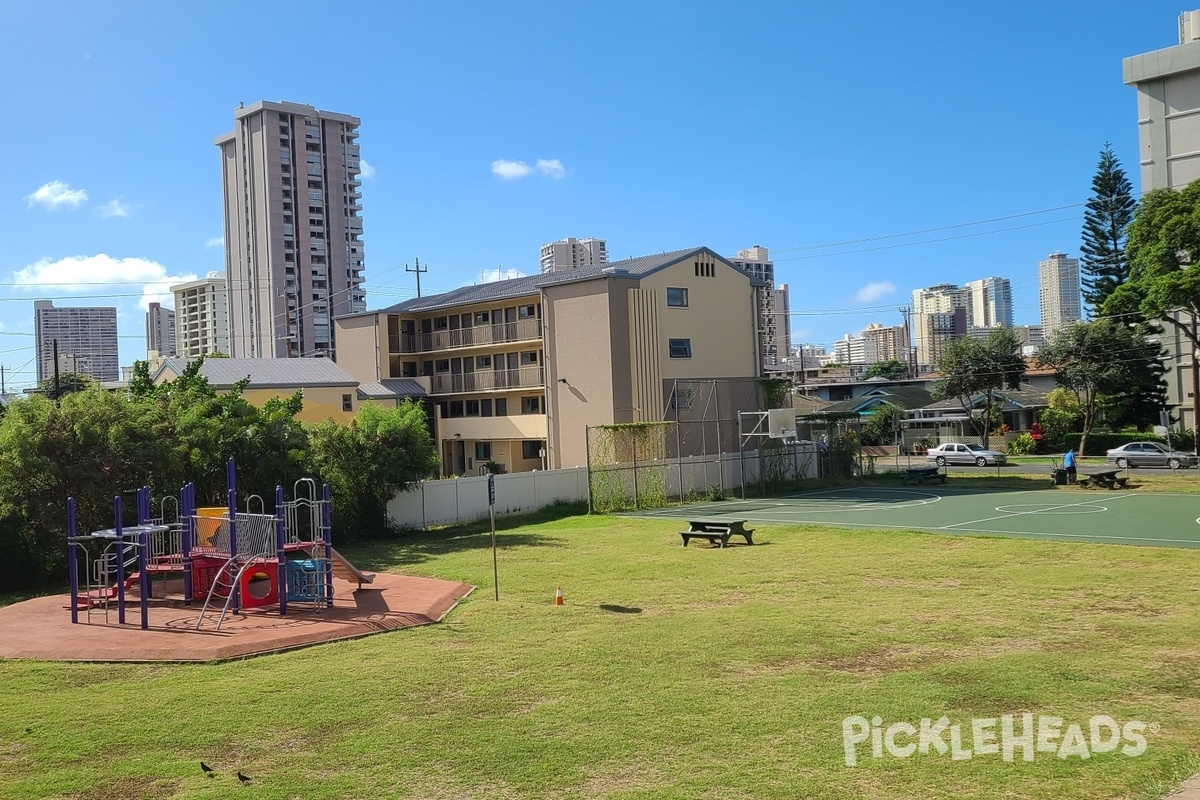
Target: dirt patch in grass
pixel 613 778
pixel 130 789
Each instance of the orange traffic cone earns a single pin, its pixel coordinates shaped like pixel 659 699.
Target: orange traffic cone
pixel 558 598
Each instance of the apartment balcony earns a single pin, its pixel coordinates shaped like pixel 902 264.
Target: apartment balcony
pixel 402 343
pixel 526 330
pixel 484 429
pixel 487 381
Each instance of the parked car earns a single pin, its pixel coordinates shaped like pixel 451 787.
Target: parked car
pixel 1149 454
pixel 955 453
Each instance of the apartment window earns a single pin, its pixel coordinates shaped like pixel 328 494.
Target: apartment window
pixel 531 450
pixel 527 312
pixel 483 362
pixel 485 407
pixel 347 404
pixel 440 323
pixel 501 407
pixel 483 451
pixel 408 369
pixel 531 405
pixel 529 357
pixel 677 297
pixel 441 365
pixel 482 318
pixel 472 408
pixel 456 408
pixel 681 348
pixel 427 368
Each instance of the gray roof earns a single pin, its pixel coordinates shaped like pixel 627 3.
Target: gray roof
pixel 529 284
pixel 283 373
pixel 393 388
pixel 1026 396
pixel 905 397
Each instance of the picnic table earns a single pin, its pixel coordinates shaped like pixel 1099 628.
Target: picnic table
pixel 1106 478
pixel 922 475
pixel 717 531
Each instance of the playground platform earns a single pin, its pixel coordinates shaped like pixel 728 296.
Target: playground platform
pixel 41 628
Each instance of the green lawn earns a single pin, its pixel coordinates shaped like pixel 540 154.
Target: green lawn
pixel 710 674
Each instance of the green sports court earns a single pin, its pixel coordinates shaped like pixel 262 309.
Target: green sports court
pixel 1117 517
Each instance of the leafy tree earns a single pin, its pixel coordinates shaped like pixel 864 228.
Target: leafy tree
pixel 975 369
pixel 880 425
pixel 1109 212
pixel 68 382
pixel 1094 360
pixel 1059 417
pixel 892 370
pixel 381 451
pixel 1163 245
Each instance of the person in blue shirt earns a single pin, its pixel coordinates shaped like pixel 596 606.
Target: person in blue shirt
pixel 1069 465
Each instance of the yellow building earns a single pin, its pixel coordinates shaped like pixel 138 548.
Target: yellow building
pixel 517 369
pixel 329 391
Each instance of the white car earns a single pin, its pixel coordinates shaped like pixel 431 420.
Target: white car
pixel 955 453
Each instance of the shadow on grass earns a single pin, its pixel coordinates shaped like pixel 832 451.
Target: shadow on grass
pixel 619 609
pixel 416 547
pixel 958 482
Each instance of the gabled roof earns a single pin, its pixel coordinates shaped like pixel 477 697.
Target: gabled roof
pixel 904 397
pixel 392 389
pixel 1026 396
pixel 279 373
pixel 529 284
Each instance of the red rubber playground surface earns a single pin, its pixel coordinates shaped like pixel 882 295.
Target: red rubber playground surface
pixel 41 628
pixel 1125 516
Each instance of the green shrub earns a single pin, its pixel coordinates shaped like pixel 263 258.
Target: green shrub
pixel 1098 442
pixel 1023 445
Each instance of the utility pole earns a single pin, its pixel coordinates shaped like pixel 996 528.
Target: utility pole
pixel 418 271
pixel 56 389
pixel 910 359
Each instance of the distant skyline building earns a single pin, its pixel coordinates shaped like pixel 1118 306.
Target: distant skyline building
pixel 86 336
pixel 891 341
pixel 1168 101
pixel 293 235
pixel 934 330
pixel 1058 289
pixel 990 303
pixel 571 253
pixel 855 350
pixel 774 305
pixel 160 331
pixel 202 317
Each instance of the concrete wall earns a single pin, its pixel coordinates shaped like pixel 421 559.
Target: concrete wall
pixel 362 344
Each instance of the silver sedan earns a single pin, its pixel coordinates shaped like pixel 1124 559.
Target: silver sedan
pixel 955 453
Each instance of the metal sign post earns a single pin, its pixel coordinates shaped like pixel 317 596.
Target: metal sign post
pixel 1164 419
pixel 492 515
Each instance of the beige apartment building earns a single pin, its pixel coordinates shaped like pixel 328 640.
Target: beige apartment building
pixel 201 322
pixel 516 370
pixel 293 235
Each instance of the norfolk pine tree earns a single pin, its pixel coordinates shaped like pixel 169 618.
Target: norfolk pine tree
pixel 1105 222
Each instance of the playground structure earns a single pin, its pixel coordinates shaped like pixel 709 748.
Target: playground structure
pixel 228 558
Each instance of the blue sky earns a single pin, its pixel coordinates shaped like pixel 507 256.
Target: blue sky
pixel 818 130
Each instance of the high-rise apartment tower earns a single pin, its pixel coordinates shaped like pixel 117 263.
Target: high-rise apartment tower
pixel 293 236
pixel 160 330
pixel 1058 288
pixel 87 341
pixel 573 253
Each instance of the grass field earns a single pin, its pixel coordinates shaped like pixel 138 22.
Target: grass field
pixel 670 673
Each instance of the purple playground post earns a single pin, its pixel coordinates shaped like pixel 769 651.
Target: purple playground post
pixel 120 543
pixel 143 577
pixel 187 519
pixel 72 564
pixel 231 484
pixel 281 551
pixel 326 525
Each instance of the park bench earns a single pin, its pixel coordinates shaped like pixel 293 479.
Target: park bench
pixel 1106 478
pixel 922 475
pixel 717 531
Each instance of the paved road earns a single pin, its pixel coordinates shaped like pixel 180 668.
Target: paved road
pixel 884 464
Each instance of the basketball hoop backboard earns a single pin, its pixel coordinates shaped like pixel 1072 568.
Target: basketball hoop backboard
pixel 781 422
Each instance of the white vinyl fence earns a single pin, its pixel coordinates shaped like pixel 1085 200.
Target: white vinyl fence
pixel 459 500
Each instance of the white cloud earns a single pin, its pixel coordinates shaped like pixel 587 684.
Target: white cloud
pixel 499 274
pixel 54 194
pixel 510 170
pixel 551 168
pixel 100 274
pixel 366 170
pixel 876 290
pixel 216 241
pixel 113 208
